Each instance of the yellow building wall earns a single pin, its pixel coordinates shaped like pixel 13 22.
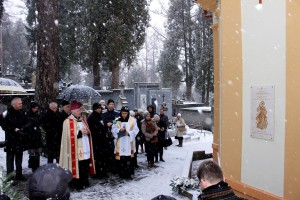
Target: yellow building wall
pixel 292 131
pixel 228 102
pixel 231 89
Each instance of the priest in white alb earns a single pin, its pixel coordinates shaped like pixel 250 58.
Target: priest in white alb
pixel 125 130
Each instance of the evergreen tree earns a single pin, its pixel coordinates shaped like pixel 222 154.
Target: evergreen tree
pixel 15 48
pixel 31 36
pixel 125 33
pixel 102 33
pixel 204 57
pixel 1 10
pixel 187 50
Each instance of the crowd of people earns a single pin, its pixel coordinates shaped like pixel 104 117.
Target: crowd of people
pixel 97 144
pixel 103 142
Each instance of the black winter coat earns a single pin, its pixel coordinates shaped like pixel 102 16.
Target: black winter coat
pixel 34 130
pixel 51 124
pixel 15 141
pixel 98 131
pixel 110 116
pixel 164 120
pixel 97 127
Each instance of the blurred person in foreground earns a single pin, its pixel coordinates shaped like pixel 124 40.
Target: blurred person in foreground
pixel 76 153
pixel 212 183
pixel 50 182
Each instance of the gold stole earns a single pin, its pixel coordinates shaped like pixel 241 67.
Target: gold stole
pixel 131 124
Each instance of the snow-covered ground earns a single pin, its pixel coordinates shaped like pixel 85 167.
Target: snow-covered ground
pixel 146 183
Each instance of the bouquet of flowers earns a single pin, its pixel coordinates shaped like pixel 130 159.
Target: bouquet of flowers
pixel 182 183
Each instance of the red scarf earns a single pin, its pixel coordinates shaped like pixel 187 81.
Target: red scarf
pixel 149 127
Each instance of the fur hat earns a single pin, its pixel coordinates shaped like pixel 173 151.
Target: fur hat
pixel 156 118
pixel 64 103
pixel 124 109
pixel 110 101
pixel 146 113
pixel 140 111
pixel 96 106
pixel 75 105
pixel 131 113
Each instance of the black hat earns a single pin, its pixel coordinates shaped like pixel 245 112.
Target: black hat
pixel 109 101
pixel 64 103
pixel 124 109
pixel 39 187
pixel 96 106
pixel 34 104
pixel 150 106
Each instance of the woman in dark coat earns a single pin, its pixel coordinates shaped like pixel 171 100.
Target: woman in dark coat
pixel 34 136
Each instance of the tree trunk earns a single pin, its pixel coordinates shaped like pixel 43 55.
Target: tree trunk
pixel 115 76
pixel 47 85
pixel 203 89
pixel 207 89
pixel 96 67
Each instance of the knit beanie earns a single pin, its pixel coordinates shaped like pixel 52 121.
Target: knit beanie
pixel 96 106
pixel 34 104
pixel 64 103
pixel 110 101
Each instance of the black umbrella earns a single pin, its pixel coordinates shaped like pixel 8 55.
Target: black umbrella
pixel 50 182
pixel 76 92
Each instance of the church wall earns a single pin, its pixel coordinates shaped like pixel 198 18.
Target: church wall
pixel 264 64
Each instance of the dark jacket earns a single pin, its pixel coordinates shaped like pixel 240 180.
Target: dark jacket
pixel 218 191
pixel 98 130
pixel 110 116
pixel 62 116
pixel 15 141
pixel 164 120
pixel 33 129
pixel 51 124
